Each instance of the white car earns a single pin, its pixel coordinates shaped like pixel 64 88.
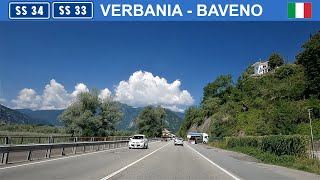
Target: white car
pixel 178 141
pixel 138 141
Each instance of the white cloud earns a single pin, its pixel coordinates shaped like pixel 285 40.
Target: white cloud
pixel 27 98
pixel 80 88
pixel 54 97
pixel 143 89
pixel 174 108
pixel 105 93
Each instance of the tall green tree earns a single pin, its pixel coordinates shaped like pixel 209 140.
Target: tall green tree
pixel 89 116
pixel 220 88
pixel 275 60
pixel 310 59
pixel 150 121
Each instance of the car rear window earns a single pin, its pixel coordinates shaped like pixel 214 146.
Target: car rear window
pixel 137 137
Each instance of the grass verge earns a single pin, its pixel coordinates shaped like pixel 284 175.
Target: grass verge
pixel 294 162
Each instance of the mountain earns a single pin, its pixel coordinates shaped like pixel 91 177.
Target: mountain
pixel 50 117
pixel 47 117
pixel 173 120
pixel 179 114
pixel 8 115
pixel 129 115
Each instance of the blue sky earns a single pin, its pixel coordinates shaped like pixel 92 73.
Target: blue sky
pixel 102 54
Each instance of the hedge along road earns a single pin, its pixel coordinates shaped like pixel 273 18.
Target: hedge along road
pixel 161 161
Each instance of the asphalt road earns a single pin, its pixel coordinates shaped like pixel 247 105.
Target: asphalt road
pixel 162 160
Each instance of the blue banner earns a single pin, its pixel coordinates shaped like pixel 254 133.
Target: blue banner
pixel 161 10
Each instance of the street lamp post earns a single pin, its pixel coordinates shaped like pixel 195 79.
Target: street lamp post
pixel 312 146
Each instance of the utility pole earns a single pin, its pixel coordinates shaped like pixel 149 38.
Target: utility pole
pixel 312 146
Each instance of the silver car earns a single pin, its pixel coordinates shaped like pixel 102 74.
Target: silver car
pixel 138 141
pixel 178 141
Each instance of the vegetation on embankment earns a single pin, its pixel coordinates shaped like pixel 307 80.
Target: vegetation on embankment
pixel 31 130
pixel 288 151
pixel 44 130
pixel 271 104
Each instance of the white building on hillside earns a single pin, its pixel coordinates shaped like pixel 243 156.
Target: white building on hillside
pixel 260 68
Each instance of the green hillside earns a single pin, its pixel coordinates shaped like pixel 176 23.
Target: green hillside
pixel 274 103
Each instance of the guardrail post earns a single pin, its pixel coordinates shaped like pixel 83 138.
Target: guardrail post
pixel 29 155
pixel 74 149
pixel 91 147
pixel 5 156
pixel 48 154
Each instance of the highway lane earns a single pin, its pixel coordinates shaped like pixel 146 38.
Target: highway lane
pixel 161 161
pixel 173 162
pixel 85 166
pixel 249 168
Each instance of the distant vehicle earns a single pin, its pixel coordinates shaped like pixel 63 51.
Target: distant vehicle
pixel 138 141
pixel 198 137
pixel 192 140
pixel 165 138
pixel 178 141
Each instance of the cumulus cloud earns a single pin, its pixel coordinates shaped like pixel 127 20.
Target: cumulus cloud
pixel 80 88
pixel 104 94
pixel 54 97
pixel 143 88
pixel 27 98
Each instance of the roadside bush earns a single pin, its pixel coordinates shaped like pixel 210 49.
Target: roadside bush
pixel 276 144
pixel 285 145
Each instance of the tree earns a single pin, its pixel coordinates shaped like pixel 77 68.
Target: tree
pixel 310 59
pixel 218 88
pixel 150 121
pixel 89 116
pixel 275 60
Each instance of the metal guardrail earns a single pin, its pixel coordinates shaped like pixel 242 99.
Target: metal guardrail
pixel 101 145
pixel 55 139
pixel 7 149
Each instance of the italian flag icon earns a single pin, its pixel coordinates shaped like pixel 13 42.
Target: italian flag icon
pixel 299 10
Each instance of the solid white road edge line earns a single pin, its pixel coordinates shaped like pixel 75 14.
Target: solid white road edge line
pixel 227 172
pixel 71 156
pixel 122 169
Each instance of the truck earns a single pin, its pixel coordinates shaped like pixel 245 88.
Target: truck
pixel 195 138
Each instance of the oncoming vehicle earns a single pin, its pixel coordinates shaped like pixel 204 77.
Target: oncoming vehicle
pixel 196 138
pixel 178 141
pixel 138 141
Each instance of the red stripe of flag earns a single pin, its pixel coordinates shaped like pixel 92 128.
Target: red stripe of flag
pixel 308 10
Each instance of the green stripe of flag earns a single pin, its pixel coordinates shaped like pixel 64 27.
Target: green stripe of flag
pixel 291 10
